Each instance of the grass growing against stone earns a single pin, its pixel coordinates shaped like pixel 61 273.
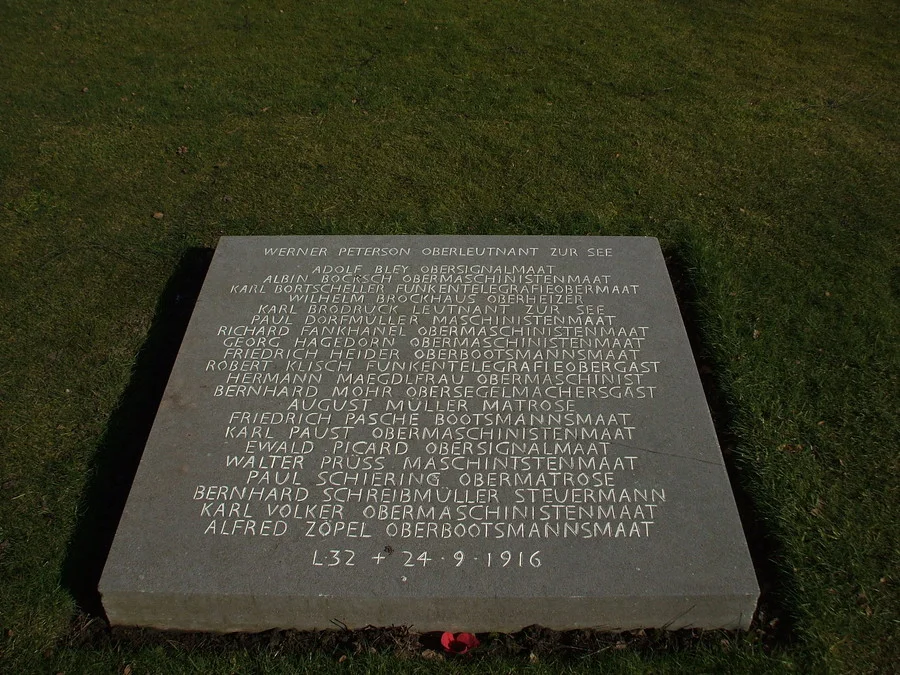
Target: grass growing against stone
pixel 758 141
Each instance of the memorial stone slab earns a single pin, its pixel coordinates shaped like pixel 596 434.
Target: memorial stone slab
pixel 449 433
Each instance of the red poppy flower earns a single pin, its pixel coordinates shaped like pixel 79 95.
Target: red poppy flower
pixel 459 643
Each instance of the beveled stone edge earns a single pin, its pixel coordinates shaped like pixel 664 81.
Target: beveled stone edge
pixel 245 613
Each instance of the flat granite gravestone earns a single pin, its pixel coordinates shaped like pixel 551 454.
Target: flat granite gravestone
pixel 449 433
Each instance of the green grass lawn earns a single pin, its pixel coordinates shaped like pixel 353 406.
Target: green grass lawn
pixel 757 140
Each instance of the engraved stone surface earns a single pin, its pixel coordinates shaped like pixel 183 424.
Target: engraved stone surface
pixel 450 433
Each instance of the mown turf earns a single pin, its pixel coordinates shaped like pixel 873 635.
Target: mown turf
pixel 758 141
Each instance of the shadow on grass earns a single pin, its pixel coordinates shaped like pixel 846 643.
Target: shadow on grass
pixel 119 453
pixel 774 619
